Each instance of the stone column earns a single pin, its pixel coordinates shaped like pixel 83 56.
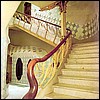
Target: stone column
pixel 63 22
pixel 7 11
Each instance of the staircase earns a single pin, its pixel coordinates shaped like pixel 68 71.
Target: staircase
pixel 80 76
pixel 43 30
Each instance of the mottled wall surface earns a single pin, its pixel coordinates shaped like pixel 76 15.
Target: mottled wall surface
pixel 7 11
pixel 25 53
pixel 23 39
pixel 82 18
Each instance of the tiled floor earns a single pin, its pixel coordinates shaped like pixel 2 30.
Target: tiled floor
pixel 17 92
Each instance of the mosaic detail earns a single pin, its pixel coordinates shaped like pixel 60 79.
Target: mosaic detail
pixel 52 15
pixel 25 49
pixel 89 29
pixel 25 53
pixel 73 27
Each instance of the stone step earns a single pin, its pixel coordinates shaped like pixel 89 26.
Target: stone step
pixel 85 92
pixel 86 48
pixel 81 77
pixel 86 44
pixel 83 55
pixel 92 67
pixel 81 73
pixel 60 96
pixel 83 61
pixel 84 81
pixel 93 51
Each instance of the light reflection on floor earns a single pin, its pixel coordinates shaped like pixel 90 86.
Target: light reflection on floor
pixel 17 92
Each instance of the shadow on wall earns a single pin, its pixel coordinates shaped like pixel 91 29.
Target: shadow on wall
pixel 92 39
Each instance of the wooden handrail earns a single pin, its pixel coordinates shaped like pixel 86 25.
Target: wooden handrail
pixel 30 72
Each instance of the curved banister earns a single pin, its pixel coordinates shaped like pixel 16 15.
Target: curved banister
pixel 31 77
pixel 30 71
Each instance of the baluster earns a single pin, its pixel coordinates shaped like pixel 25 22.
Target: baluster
pixel 31 23
pixel 55 35
pixel 46 30
pixel 38 26
pixel 19 19
pixel 24 20
pixel 14 17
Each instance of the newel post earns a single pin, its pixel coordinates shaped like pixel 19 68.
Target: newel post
pixel 63 18
pixel 63 21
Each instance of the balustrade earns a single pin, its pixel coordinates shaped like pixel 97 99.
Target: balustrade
pixel 42 70
pixel 39 27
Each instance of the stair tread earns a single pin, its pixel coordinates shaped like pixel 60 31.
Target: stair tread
pixel 85 51
pixel 82 64
pixel 87 44
pixel 86 48
pixel 77 87
pixel 83 60
pixel 84 56
pixel 81 69
pixel 93 69
pixel 85 66
pixel 60 96
pixel 79 77
pixel 97 58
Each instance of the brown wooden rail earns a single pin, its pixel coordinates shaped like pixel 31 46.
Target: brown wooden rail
pixel 30 72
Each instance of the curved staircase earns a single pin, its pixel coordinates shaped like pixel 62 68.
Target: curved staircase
pixel 80 76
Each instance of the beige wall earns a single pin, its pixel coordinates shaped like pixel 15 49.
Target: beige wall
pixel 23 38
pixel 7 10
pixel 21 7
pixel 94 38
pixel 80 12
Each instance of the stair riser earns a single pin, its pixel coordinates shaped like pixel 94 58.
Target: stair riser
pixel 84 56
pixel 80 73
pixel 86 44
pixel 79 82
pixel 83 61
pixel 60 96
pixel 77 93
pixel 77 66
pixel 86 48
pixel 85 51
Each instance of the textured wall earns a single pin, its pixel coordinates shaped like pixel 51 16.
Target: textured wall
pixel 82 18
pixel 22 38
pixel 7 11
pixel 25 53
